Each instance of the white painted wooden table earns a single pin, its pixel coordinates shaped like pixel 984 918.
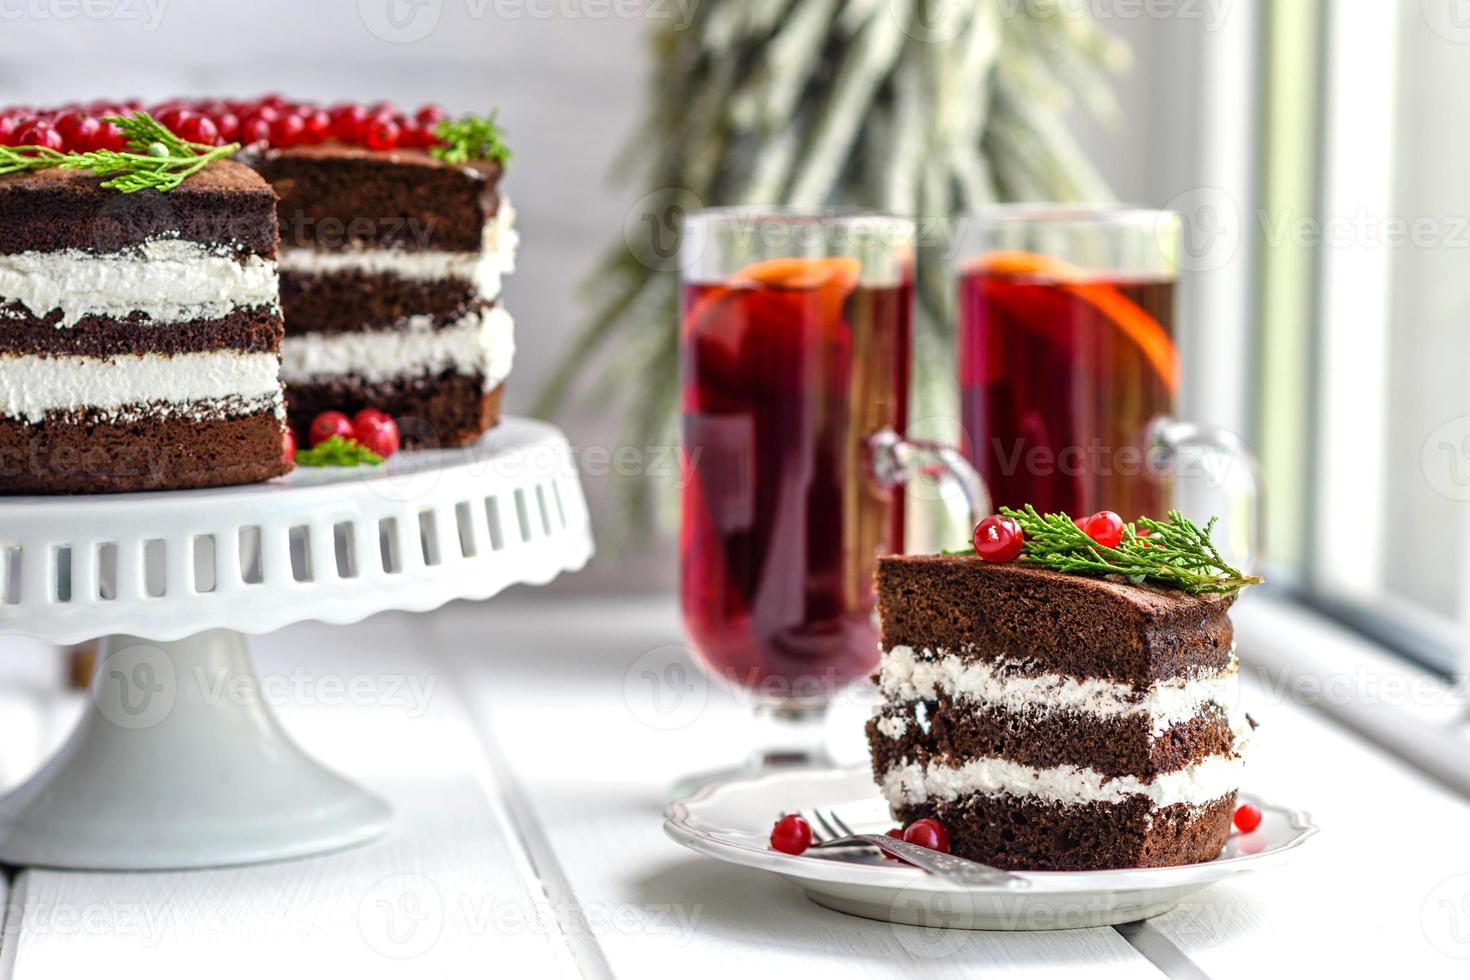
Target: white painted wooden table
pixel 529 765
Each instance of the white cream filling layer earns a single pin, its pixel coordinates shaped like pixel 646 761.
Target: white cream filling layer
pixel 172 281
pixel 1198 785
pixel 32 386
pixel 485 268
pixel 906 675
pixel 481 342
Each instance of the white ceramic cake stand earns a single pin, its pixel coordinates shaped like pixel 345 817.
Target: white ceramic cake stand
pixel 171 767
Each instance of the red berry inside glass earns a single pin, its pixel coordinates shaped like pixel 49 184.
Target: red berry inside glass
pixel 791 835
pixel 1106 528
pixel 327 425
pixel 999 539
pixel 1247 818
pixel 928 833
pixel 377 431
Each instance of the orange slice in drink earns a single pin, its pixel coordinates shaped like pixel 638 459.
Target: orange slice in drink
pixel 1143 330
pixel 801 274
pixel 839 275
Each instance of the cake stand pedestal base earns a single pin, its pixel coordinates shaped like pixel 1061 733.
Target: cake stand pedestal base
pixel 179 763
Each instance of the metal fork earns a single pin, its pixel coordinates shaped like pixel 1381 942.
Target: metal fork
pixel 830 832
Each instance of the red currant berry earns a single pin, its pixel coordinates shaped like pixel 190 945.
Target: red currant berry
pixel 227 123
pixel 8 131
pixel 327 425
pixel 999 539
pixel 108 137
pixel 896 834
pixel 381 134
pixel 1247 818
pixel 791 835
pixel 85 135
pixel 199 129
pixel 255 129
pixel 67 124
pixel 348 122
pixel 273 100
pixel 288 447
pixel 382 109
pixel 928 833
pixel 428 116
pixel 317 125
pixel 1106 528
pixel 172 118
pixel 40 134
pixel 287 129
pixel 376 431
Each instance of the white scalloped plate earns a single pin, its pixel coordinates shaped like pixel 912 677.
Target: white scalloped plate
pixel 730 819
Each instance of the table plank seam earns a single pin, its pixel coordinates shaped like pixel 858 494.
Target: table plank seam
pixel 546 872
pixel 1159 950
pixel 12 922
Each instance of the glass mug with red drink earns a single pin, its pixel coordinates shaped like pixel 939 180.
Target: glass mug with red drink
pixel 1069 371
pixel 795 357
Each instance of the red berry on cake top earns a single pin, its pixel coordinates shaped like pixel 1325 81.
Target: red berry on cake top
pixel 791 835
pixel 999 539
pixel 1105 527
pixel 41 134
pixel 381 133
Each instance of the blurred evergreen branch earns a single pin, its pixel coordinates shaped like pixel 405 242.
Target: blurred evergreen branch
pixel 916 107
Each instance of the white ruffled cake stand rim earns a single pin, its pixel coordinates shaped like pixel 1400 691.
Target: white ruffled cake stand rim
pixel 165 773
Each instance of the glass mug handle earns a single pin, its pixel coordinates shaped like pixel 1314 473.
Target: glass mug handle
pixel 1170 442
pixel 896 461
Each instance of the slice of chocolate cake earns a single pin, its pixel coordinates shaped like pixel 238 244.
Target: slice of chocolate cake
pixel 140 334
pixel 1055 722
pixel 391 271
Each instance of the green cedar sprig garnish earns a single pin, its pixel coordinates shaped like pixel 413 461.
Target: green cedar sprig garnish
pixel 470 138
pixel 1176 553
pixel 338 451
pixel 155 158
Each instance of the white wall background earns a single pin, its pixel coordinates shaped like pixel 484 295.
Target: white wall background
pixel 568 76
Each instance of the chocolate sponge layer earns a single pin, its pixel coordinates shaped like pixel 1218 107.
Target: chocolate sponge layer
pixel 1065 624
pixel 962 731
pixel 51 210
pixel 1031 835
pixel 342 197
pixel 89 454
pixel 249 330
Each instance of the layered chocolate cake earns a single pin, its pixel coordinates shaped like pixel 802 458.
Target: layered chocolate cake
pixel 391 270
pixel 140 333
pixel 1053 721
